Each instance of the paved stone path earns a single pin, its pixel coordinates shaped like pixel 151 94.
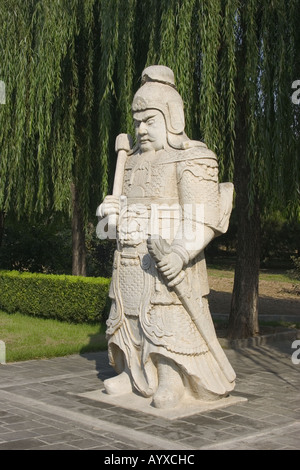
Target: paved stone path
pixel 40 408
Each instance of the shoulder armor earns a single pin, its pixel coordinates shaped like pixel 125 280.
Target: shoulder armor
pixel 204 167
pixel 199 154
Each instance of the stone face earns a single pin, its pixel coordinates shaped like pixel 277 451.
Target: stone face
pixel 167 205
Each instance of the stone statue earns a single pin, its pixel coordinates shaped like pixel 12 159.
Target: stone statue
pixel 167 205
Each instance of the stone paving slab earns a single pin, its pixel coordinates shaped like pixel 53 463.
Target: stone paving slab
pixel 42 408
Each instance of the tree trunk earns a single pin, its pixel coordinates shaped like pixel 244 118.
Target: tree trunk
pixel 78 236
pixel 243 318
pixel 2 215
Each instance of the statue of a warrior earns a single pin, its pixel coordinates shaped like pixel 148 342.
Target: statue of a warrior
pixel 167 205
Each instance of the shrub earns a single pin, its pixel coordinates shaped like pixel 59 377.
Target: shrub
pixel 295 272
pixel 68 298
pixel 43 246
pixel 100 254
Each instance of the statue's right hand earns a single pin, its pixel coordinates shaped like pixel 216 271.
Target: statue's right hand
pixel 110 206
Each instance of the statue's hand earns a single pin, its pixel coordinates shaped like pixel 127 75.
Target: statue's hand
pixel 110 206
pixel 170 265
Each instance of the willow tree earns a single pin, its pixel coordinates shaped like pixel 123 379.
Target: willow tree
pixel 266 145
pixel 57 59
pixel 72 67
pixel 234 62
pixel 47 137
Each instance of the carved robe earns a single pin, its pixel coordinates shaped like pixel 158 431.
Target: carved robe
pixel 147 318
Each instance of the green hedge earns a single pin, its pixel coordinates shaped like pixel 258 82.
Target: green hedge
pixel 68 298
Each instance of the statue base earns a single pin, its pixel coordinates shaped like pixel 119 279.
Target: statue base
pixel 188 406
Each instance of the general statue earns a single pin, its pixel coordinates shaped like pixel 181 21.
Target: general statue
pixel 167 206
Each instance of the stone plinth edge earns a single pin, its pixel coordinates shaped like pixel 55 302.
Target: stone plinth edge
pixel 188 406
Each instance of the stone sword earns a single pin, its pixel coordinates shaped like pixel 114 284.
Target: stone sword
pixel 158 248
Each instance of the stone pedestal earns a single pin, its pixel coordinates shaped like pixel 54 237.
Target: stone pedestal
pixel 188 406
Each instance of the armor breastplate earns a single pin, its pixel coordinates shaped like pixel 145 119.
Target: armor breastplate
pixel 152 208
pixel 152 195
pixel 150 179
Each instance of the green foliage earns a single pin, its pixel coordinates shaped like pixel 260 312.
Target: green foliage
pixel 277 135
pixel 43 246
pixel 279 242
pixel 72 67
pixel 67 298
pixel 100 254
pixel 28 338
pixel 47 57
pixel 295 272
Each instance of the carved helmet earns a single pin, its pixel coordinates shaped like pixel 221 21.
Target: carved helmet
pixel 158 91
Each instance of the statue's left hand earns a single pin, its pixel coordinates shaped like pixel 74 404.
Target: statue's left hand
pixel 170 265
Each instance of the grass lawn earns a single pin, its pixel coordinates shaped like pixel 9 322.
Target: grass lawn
pixel 28 337
pixel 265 275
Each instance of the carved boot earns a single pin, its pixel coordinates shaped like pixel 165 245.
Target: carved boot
pixel 118 385
pixel 170 386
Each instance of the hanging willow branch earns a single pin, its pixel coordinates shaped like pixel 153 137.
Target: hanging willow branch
pixel 71 69
pixel 211 120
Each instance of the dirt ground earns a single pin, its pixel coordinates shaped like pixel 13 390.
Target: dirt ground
pixel 275 298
